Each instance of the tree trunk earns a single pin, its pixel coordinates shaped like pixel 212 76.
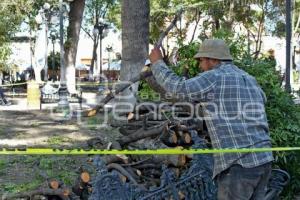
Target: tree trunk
pixel 75 18
pixel 260 31
pixel 230 19
pixel 1 77
pixel 135 42
pixel 94 58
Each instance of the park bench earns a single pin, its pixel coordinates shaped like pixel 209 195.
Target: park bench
pixel 194 184
pixel 50 94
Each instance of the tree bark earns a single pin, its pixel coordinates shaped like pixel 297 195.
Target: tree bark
pixel 75 19
pixel 197 18
pixel 94 58
pixel 229 22
pixel 135 42
pixel 260 31
pixel 140 134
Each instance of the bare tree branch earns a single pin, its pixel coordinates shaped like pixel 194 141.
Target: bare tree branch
pixel 197 16
pixel 170 27
pixel 87 32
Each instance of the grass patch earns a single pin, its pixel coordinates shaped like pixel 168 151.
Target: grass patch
pixel 60 168
pixel 2 130
pixel 94 122
pixel 55 140
pixel 3 165
pixel 16 188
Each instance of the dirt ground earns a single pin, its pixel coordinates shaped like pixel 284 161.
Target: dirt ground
pixel 44 129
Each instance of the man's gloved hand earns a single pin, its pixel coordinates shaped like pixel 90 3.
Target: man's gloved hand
pixel 155 55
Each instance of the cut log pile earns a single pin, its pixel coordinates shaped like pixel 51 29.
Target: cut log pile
pixel 141 131
pixel 144 131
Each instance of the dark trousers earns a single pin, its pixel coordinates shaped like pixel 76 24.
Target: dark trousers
pixel 238 183
pixel 2 96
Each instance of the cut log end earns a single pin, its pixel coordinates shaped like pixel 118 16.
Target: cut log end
pixel 187 138
pixel 138 172
pixel 54 184
pixel 130 116
pixel 85 177
pixel 123 178
pixel 66 192
pixel 181 195
pixel 174 139
pixel 91 113
pixel 181 160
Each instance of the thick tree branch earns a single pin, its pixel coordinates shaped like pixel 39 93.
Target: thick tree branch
pixel 170 27
pixel 198 14
pixel 122 171
pixel 140 134
pixel 86 31
pixel 144 74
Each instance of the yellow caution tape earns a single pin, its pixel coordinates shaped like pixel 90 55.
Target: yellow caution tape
pixel 13 84
pixel 94 84
pixel 78 84
pixel 49 151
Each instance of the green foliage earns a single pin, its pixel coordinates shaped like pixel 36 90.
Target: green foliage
pixel 56 60
pixel 96 10
pixel 276 17
pixel 187 65
pixel 94 122
pixel 56 140
pixel 3 165
pixel 283 116
pixel 46 163
pixel 114 14
pixel 146 93
pixel 59 168
pixel 12 15
pixel 24 187
pixel 5 52
pixel 237 44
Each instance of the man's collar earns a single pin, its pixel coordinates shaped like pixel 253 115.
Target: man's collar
pixel 223 63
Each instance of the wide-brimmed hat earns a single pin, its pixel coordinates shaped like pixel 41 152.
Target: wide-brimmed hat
pixel 214 48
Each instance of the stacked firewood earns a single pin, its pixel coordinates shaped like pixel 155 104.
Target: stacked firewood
pixel 144 129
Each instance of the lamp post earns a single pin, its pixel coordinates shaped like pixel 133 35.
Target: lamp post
pixel 101 29
pixel 109 49
pixel 53 38
pixel 47 16
pixel 288 29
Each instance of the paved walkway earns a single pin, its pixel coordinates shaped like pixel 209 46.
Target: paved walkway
pixel 20 125
pixel 19 103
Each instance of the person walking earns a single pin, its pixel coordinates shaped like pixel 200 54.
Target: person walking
pixel 3 99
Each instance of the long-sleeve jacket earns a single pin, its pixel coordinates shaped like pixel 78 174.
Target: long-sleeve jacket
pixel 234 111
